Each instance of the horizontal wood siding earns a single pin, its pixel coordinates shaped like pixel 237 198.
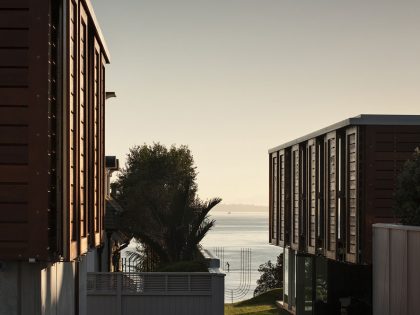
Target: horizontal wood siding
pixel 387 149
pixel 24 130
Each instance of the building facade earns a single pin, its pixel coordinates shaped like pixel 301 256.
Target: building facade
pixel 326 190
pixel 52 172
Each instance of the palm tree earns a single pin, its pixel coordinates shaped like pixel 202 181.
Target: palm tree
pixel 174 232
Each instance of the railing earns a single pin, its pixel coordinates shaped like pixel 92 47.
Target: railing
pixel 155 293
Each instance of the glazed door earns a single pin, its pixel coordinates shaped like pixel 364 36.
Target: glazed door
pixel 304 284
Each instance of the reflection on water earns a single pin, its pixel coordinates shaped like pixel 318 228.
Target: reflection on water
pixel 241 230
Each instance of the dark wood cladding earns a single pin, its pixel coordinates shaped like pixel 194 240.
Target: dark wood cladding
pixel 51 160
pixel 386 149
pixel 330 194
pixel 295 197
pixel 275 198
pixel 284 203
pixel 352 198
pixel 24 121
pixel 332 188
pixel 311 150
pixel 85 135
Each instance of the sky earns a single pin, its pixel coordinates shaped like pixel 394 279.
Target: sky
pixel 233 78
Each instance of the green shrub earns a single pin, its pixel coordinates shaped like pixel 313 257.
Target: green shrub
pixel 407 196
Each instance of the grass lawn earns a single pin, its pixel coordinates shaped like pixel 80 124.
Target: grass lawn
pixel 260 305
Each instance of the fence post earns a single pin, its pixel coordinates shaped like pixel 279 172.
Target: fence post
pixel 119 292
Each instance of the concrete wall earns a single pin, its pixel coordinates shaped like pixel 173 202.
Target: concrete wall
pixel 396 272
pixel 20 289
pixel 39 289
pixel 8 288
pixel 57 289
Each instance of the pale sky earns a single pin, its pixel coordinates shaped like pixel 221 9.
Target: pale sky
pixel 233 78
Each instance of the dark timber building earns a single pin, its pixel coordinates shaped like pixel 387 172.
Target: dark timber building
pixel 326 191
pixel 52 172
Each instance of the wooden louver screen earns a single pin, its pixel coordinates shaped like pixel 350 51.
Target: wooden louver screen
pixel 83 130
pixel 331 199
pixel 274 206
pixel 312 198
pixel 96 144
pixel 282 194
pixel 73 124
pixel 295 197
pixel 352 218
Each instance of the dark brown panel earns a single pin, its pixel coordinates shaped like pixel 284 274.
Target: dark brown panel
pixel 14 4
pixel 10 193
pixel 14 18
pixel 13 154
pixel 13 116
pixel 13 135
pixel 38 130
pixel 13 77
pixel 14 38
pixel 10 212
pixel 13 174
pixel 14 58
pixel 15 232
pixel 382 169
pixel 14 96
pixel 13 250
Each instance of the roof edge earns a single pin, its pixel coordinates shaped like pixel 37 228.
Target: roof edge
pixel 360 120
pixel 98 30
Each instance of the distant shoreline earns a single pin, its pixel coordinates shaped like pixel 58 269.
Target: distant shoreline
pixel 239 208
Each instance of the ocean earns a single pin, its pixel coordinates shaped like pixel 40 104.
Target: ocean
pixel 235 231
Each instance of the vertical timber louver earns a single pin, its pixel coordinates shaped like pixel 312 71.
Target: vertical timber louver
pixel 73 130
pixel 331 196
pixel 285 192
pixel 96 143
pixel 295 199
pixel 83 129
pixel 311 195
pixel 320 190
pixel 303 209
pixel 281 198
pixel 275 198
pixel 351 195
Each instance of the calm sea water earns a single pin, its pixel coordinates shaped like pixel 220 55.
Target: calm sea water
pixel 235 231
